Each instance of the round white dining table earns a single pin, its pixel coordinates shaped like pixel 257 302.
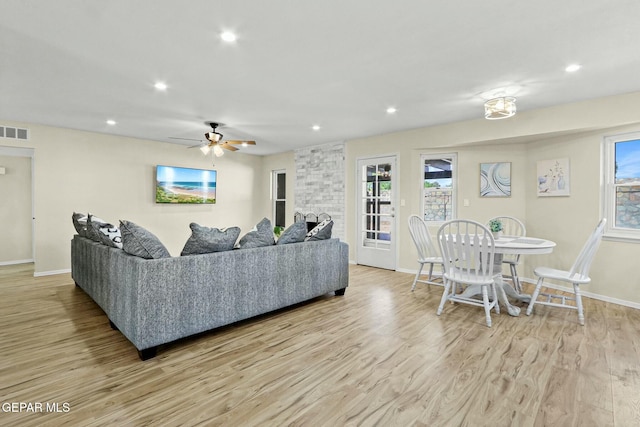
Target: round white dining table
pixel 524 245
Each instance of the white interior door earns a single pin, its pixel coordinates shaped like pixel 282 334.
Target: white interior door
pixel 376 212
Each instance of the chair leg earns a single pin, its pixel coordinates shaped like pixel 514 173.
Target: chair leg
pixel 534 297
pixel 487 307
pixel 515 278
pixel 415 280
pixel 430 272
pixel 445 297
pixel 576 288
pixel 496 307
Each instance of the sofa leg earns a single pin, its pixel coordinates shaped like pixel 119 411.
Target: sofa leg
pixel 340 291
pixel 113 325
pixel 148 353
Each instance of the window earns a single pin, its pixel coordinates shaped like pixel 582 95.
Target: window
pixel 438 187
pixel 279 196
pixel 621 198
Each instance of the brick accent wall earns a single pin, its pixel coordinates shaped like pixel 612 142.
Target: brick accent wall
pixel 319 186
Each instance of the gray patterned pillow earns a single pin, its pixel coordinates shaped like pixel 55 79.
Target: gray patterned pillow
pixel 321 231
pixel 294 234
pixel 205 240
pixel 80 223
pixel 261 235
pixel 140 242
pixel 110 235
pixel 93 228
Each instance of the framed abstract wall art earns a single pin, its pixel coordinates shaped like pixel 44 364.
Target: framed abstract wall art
pixel 495 179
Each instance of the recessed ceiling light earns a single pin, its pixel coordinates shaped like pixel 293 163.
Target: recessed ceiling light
pixel 111 122
pixel 391 110
pixel 160 86
pixel 228 36
pixel 573 68
pixel 315 127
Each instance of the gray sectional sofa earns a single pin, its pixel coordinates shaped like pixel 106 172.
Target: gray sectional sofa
pixel 156 301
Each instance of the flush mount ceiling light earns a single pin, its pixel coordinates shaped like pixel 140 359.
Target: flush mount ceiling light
pixel 573 68
pixel 228 36
pixel 315 127
pixel 111 122
pixel 391 110
pixel 500 108
pixel 160 86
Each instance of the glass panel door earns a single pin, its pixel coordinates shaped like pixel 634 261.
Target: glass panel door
pixel 376 246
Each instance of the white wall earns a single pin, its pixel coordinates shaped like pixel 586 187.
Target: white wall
pixel 571 130
pixel 15 209
pixel 569 220
pixel 114 178
pixel 282 161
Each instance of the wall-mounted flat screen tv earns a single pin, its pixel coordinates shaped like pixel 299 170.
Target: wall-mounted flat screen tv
pixel 185 185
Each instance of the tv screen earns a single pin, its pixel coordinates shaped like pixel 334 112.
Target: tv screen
pixel 185 185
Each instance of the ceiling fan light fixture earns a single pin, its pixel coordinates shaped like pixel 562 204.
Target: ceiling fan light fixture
pixel 213 136
pixel 500 108
pixel 205 149
pixel 218 151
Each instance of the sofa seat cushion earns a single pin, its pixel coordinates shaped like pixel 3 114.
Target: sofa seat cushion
pixel 206 240
pixel 141 242
pixel 261 235
pixel 294 234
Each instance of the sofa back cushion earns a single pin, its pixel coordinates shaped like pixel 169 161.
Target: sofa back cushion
pixel 294 234
pixel 261 235
pixel 205 240
pixel 141 242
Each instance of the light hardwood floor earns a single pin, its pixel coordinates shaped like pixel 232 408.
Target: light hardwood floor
pixel 377 356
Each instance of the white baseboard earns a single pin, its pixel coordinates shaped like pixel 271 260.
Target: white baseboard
pixel 51 273
pixel 18 261
pixel 585 293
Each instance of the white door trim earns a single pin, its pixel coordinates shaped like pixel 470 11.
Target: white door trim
pixel 394 203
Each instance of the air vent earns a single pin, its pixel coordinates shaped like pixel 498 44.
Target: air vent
pixel 14 133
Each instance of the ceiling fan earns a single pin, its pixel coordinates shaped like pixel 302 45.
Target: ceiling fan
pixel 215 143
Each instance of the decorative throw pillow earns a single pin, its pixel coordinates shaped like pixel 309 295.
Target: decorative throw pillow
pixel 205 240
pixel 110 235
pixel 294 234
pixel 80 223
pixel 141 242
pixel 261 235
pixel 321 231
pixel 93 228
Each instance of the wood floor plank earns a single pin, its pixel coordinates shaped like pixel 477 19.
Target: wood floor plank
pixel 379 355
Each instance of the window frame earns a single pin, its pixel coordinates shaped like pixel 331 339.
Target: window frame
pixel 608 189
pixel 274 195
pixel 454 184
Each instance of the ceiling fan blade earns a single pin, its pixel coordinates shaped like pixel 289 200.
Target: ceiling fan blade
pixel 185 139
pixel 202 144
pixel 236 141
pixel 228 147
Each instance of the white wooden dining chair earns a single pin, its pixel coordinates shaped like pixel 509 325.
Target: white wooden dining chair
pixel 468 252
pixel 577 275
pixel 512 226
pixel 428 253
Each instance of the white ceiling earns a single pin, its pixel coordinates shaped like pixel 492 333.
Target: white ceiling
pixel 335 63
